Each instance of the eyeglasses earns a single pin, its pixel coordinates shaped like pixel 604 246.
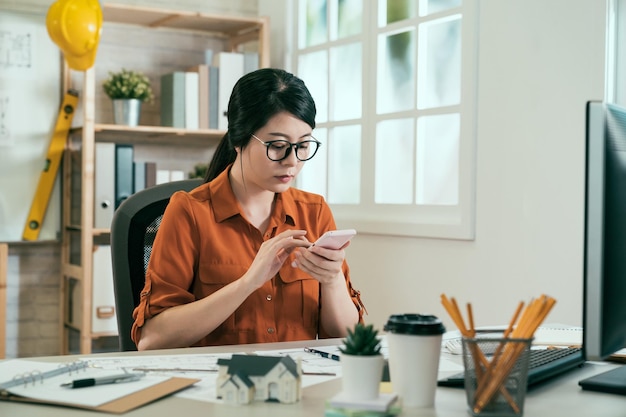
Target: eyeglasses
pixel 277 150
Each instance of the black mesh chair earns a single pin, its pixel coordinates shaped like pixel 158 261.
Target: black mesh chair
pixel 133 229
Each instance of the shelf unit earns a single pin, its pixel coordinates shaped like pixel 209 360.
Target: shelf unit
pixel 80 238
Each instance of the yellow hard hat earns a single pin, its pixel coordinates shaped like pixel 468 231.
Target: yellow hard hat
pixel 75 26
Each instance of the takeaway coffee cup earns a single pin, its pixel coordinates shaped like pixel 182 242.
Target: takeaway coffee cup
pixel 414 342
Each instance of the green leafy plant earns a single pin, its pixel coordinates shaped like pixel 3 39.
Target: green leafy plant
pixel 199 171
pixel 128 84
pixel 362 340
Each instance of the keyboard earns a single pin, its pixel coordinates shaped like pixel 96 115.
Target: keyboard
pixel 543 364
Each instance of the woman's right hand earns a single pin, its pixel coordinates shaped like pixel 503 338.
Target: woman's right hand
pixel 272 255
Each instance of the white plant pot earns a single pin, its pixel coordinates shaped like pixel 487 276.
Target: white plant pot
pixel 361 376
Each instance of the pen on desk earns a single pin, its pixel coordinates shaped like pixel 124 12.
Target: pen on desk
pixel 113 379
pixel 322 353
pixel 320 373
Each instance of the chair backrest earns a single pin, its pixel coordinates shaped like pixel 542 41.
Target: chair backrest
pixel 133 228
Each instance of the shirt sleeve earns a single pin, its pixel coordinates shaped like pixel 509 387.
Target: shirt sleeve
pixel 172 265
pixel 327 222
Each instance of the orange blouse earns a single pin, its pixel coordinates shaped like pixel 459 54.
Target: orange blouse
pixel 204 243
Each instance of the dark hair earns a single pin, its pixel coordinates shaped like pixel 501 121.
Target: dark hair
pixel 256 98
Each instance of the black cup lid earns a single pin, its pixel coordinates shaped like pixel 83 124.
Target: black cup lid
pixel 414 324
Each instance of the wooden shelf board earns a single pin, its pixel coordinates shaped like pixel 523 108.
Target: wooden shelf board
pixel 169 19
pixel 153 135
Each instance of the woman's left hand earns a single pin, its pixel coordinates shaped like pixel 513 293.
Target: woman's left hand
pixel 322 264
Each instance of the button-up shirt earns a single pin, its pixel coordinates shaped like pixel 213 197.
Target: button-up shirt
pixel 204 243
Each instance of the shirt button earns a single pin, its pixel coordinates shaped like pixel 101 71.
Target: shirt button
pixel 268 297
pixel 270 330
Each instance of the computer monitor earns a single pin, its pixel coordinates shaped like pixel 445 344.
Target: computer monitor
pixel 604 304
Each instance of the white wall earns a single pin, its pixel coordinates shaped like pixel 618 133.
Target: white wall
pixel 539 62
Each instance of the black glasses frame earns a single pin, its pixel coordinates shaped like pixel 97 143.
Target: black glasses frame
pixel 289 147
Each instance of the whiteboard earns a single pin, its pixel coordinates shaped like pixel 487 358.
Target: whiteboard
pixel 30 97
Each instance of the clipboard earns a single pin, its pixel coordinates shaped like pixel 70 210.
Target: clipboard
pixel 40 381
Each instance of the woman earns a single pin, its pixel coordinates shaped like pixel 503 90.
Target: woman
pixel 232 262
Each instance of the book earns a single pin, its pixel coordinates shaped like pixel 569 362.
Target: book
pixel 177 175
pixel 140 175
pixel 214 88
pixel 173 99
pixel 203 94
pixel 250 62
pixel 381 403
pixel 231 70
pixel 151 171
pixel 40 382
pixel 162 176
pixel 192 100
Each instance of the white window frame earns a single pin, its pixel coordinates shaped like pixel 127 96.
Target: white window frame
pixel 447 222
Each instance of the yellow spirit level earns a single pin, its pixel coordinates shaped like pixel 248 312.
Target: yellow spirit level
pixel 38 209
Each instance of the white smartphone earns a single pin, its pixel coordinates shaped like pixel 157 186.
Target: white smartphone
pixel 335 239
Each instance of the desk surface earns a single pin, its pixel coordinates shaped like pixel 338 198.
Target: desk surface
pixel 559 397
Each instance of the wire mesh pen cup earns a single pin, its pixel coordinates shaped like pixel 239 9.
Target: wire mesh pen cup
pixel 496 373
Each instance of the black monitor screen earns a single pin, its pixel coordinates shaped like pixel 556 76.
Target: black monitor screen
pixel 604 307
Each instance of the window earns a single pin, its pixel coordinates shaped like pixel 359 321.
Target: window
pixel 394 85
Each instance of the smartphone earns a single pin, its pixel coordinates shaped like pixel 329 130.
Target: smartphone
pixel 335 239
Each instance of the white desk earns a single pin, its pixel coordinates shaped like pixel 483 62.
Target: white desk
pixel 559 397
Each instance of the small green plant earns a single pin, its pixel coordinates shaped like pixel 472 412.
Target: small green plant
pixel 362 340
pixel 128 84
pixel 199 171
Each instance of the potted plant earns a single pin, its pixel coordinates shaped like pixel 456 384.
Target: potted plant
pixel 361 363
pixel 127 89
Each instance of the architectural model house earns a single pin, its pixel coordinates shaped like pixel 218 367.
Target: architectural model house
pixel 246 378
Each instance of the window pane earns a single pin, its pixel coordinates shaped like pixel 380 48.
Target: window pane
pixel 313 176
pixel 346 84
pixel 313 70
pixel 350 16
pixel 396 70
pixel 344 169
pixel 313 22
pixel 434 6
pixel 438 159
pixel 394 167
pixel 395 10
pixel 439 77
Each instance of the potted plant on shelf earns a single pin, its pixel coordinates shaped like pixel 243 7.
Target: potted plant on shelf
pixel 361 363
pixel 128 90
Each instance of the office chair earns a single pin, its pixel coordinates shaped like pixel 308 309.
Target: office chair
pixel 133 228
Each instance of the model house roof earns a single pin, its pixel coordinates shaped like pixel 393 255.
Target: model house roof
pixel 253 365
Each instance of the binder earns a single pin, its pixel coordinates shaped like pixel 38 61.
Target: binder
pixel 40 382
pixel 103 318
pixel 124 173
pixel 104 185
pixel 231 70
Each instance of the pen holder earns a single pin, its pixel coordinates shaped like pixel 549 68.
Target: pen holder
pixel 496 373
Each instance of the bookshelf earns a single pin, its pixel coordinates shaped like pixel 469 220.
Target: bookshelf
pixel 154 41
